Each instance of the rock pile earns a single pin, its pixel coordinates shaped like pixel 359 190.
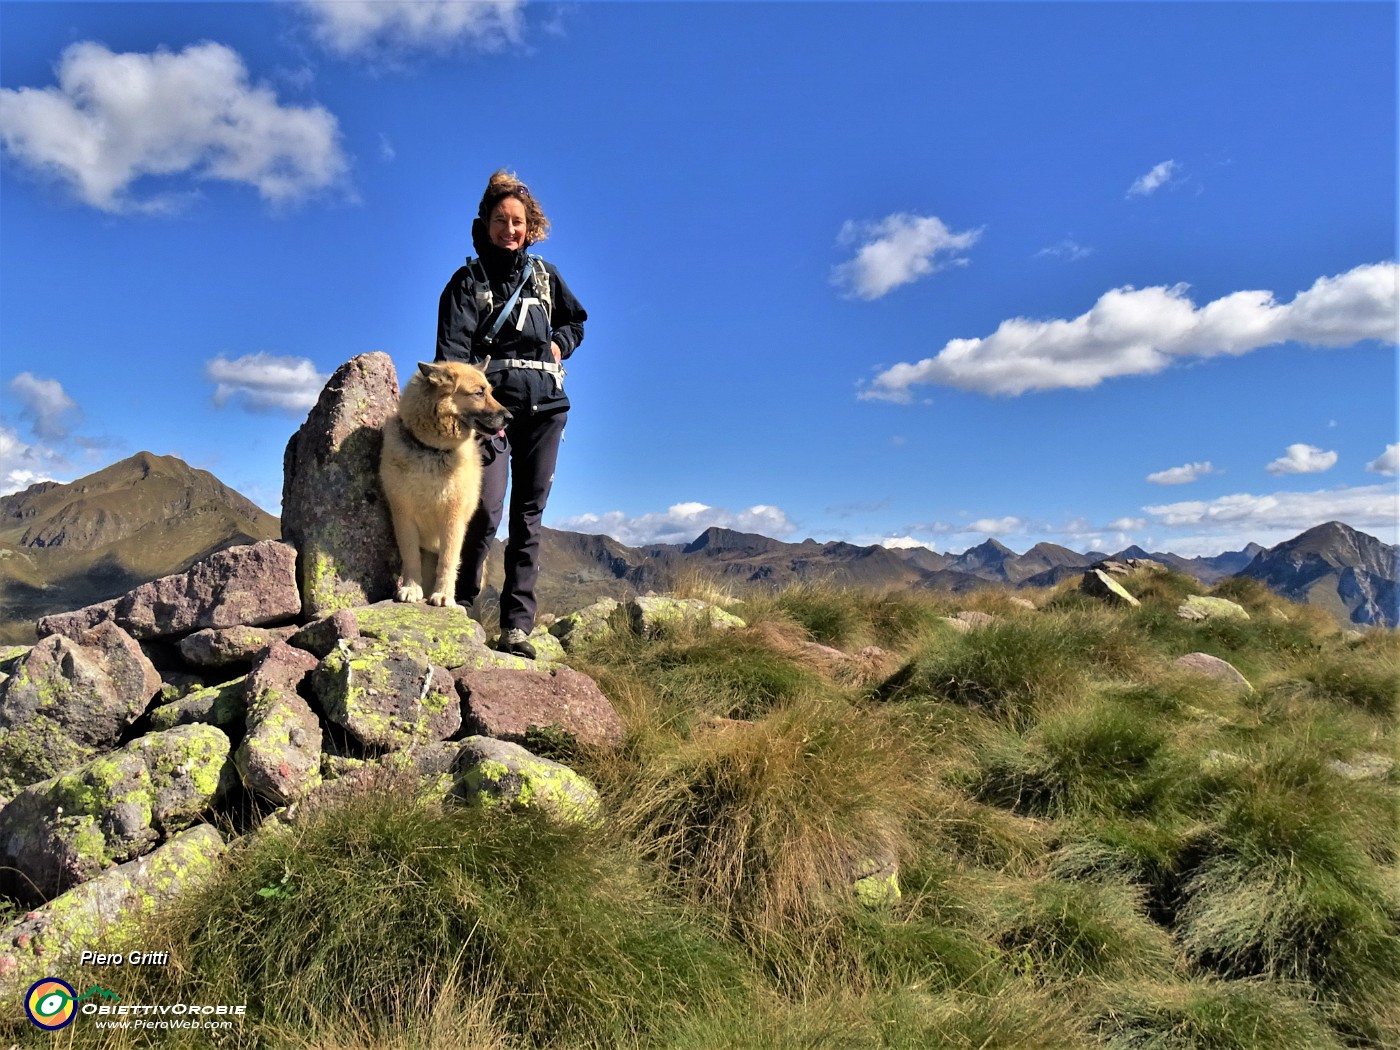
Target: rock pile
pixel 264 679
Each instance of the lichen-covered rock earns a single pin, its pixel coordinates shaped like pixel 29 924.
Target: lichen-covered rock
pixel 509 704
pixel 222 646
pixel 445 636
pixel 280 757
pixel 66 700
pixel 586 624
pixel 387 698
pixel 61 832
pixel 1201 607
pixel 323 636
pixel 1213 667
pixel 105 907
pixel 876 882
pixel 12 652
pixel 223 705
pixel 1099 584
pixel 480 657
pixel 333 510
pixel 651 614
pixel 969 620
pixel 1368 765
pixel 498 774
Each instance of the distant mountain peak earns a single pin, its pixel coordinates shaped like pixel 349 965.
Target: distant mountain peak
pixel 718 540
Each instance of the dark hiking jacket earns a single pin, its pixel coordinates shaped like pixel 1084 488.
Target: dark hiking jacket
pixel 526 337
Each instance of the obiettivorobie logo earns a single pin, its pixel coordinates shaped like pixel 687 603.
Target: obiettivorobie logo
pixel 52 1004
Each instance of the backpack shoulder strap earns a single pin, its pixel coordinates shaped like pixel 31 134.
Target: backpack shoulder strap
pixel 540 279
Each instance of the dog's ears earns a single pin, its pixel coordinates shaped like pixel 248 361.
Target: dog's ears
pixel 433 373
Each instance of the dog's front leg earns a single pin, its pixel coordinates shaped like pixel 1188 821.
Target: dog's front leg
pixel 450 558
pixel 410 581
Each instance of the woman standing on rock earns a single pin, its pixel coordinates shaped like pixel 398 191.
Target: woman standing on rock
pixel 511 313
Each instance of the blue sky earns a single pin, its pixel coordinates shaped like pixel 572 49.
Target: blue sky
pixel 1095 274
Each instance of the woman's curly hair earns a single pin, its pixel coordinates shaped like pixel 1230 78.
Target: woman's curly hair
pixel 503 184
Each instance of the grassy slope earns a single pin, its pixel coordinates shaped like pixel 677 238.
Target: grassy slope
pixel 1095 851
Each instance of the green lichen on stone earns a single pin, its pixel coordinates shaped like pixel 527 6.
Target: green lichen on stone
pixel 12 652
pixel 652 614
pixel 1200 607
pixel 36 750
pixel 324 591
pixel 110 907
pixel 219 705
pixel 525 781
pixel 358 691
pixel 443 636
pixel 879 889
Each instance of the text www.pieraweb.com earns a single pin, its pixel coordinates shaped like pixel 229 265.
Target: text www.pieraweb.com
pixel 181 1016
pixel 177 1024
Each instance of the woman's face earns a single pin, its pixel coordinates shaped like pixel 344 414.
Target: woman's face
pixel 507 224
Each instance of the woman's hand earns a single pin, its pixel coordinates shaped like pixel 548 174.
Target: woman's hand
pixel 558 354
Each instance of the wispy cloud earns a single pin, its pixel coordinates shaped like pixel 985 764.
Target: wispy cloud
pixel 897 250
pixel 680 523
pixel 381 28
pixel 45 404
pixel 1303 459
pixel 1155 179
pixel 1143 331
pixel 1387 464
pixel 264 383
pixel 114 118
pixel 1183 474
pixel 1066 249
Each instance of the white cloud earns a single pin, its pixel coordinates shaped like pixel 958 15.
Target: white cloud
pixel 895 543
pixel 23 465
pixel 350 27
pixel 1303 459
pixel 1155 179
pixel 263 383
pixel 1142 331
pixel 680 523
pixel 45 404
pixel 1066 249
pixel 995 526
pixel 115 118
pixel 1361 507
pixel 1387 464
pixel 897 250
pixel 1182 475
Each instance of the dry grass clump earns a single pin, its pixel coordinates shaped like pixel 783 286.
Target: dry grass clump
pixel 767 823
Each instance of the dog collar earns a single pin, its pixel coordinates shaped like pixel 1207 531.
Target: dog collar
pixel 413 442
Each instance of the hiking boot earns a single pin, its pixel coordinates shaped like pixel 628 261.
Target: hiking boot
pixel 516 642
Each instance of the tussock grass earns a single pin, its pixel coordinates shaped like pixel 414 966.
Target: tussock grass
pixel 1212 1015
pixel 397 906
pixel 766 822
pixel 1094 849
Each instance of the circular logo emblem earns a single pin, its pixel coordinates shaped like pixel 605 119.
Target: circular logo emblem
pixel 51 1004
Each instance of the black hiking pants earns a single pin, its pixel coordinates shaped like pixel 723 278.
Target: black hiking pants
pixel 527 456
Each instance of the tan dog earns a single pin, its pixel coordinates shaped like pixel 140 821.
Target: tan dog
pixel 431 472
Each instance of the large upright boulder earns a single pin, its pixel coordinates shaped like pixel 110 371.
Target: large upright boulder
pixel 333 508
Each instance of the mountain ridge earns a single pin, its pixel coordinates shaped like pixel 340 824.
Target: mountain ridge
pixel 63 546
